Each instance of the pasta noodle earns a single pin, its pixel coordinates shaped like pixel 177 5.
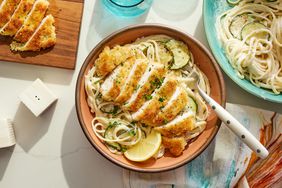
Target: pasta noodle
pixel 251 34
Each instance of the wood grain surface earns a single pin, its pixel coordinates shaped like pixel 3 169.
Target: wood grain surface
pixel 68 15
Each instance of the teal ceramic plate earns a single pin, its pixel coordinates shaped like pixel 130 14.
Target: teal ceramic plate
pixel 211 9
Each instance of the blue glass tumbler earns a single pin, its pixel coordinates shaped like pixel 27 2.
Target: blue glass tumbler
pixel 127 8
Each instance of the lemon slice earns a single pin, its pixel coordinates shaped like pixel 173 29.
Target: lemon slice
pixel 146 148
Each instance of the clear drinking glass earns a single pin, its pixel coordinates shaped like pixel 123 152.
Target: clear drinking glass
pixel 175 10
pixel 127 8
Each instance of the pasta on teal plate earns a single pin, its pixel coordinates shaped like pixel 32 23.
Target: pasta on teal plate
pixel 247 43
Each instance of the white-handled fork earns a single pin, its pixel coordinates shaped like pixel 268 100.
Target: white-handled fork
pixel 232 123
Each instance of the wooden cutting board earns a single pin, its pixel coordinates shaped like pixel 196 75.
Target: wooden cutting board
pixel 68 15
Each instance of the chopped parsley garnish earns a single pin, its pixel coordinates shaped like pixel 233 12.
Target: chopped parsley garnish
pixel 123 149
pixel 157 82
pixel 150 69
pixel 132 132
pixel 161 99
pixel 161 107
pixel 165 121
pixel 137 87
pixel 112 124
pixel 117 81
pixel 147 97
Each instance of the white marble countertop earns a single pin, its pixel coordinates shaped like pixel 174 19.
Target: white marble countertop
pixel 52 150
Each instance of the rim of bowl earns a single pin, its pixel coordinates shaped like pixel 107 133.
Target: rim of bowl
pixel 82 73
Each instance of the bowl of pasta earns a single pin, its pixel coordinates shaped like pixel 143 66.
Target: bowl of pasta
pixel 137 102
pixel 246 39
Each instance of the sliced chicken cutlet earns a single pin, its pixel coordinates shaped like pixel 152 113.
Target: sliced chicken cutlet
pixel 179 126
pixel 111 87
pixel 109 59
pixel 132 80
pixel 32 21
pixel 17 19
pixel 7 9
pixel 175 145
pixel 153 72
pixel 175 105
pixel 43 37
pixel 160 97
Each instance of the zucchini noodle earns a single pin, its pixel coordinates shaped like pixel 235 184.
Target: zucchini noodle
pixel 115 126
pixel 251 34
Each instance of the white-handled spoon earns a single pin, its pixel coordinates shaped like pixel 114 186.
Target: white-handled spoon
pixel 233 124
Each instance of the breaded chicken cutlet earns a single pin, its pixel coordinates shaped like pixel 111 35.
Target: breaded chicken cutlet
pixel 7 9
pixel 32 21
pixel 17 19
pixel 25 21
pixel 151 93
pixel 43 37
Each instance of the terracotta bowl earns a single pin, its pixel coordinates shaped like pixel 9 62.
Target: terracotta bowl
pixel 204 61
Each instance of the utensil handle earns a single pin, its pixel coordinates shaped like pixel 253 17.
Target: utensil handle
pixel 236 127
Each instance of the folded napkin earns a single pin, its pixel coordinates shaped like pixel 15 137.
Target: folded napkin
pixel 7 136
pixel 227 162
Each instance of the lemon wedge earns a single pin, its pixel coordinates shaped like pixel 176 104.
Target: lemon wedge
pixel 145 149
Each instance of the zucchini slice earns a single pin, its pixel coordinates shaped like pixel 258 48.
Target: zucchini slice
pixel 238 22
pixel 233 2
pixel 110 109
pixel 251 27
pixel 180 52
pixel 108 135
pixel 192 105
pixel 165 54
